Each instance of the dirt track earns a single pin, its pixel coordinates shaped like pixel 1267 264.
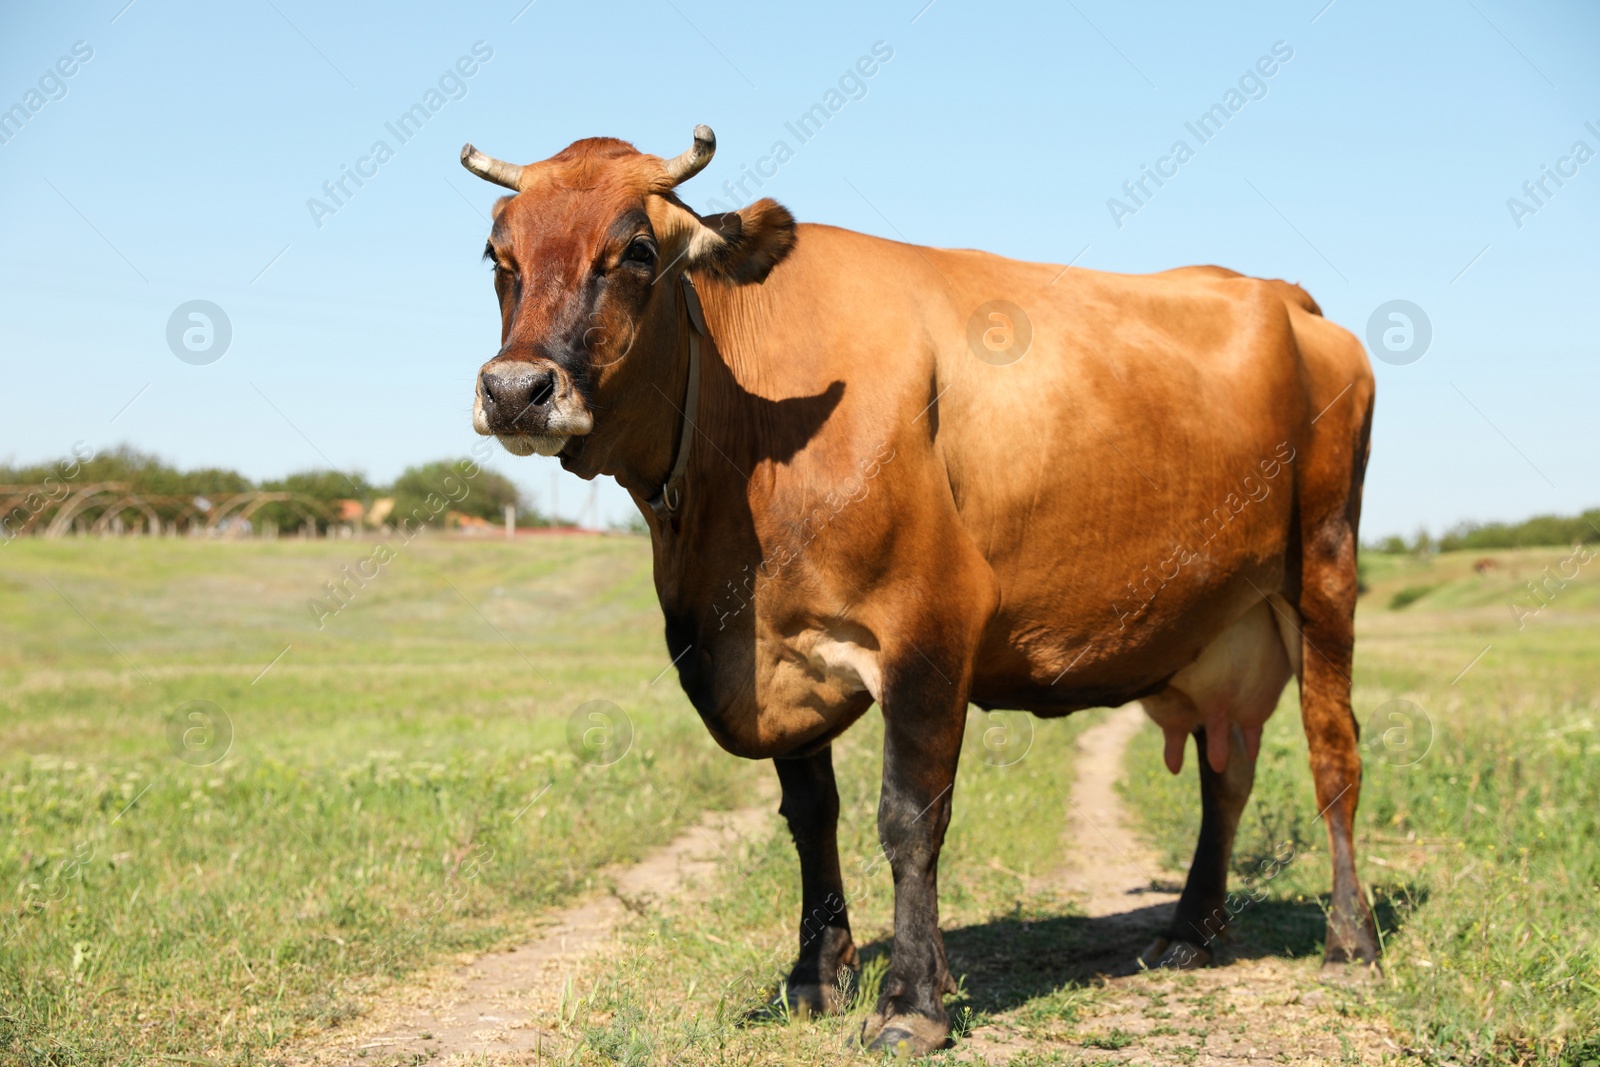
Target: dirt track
pixel 1243 1011
pixel 495 1004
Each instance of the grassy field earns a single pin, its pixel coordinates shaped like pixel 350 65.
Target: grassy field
pixel 399 784
pixel 1479 827
pixel 404 783
pixel 696 986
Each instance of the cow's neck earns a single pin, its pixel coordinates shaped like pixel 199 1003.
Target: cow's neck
pixel 666 501
pixel 708 551
pixel 644 451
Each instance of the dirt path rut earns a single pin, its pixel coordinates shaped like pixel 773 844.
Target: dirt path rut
pixel 1266 1010
pixel 503 1002
pixel 1243 1012
pixel 1109 869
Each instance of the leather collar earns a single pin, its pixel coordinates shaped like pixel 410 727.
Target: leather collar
pixel 670 498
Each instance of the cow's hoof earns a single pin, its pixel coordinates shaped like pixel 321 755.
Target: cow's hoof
pixel 807 997
pixel 1356 953
pixel 1351 940
pixel 805 1000
pixel 906 1034
pixel 811 998
pixel 1349 972
pixel 805 993
pixel 1165 954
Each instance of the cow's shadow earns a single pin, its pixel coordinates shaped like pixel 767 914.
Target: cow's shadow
pixel 1004 963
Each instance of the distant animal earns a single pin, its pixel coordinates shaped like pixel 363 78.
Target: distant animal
pixel 1485 566
pixel 875 472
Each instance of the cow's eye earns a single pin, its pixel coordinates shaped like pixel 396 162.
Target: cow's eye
pixel 642 250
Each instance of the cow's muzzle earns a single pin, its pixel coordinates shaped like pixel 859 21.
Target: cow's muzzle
pixel 530 407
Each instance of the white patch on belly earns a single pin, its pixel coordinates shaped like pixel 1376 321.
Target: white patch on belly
pixel 839 653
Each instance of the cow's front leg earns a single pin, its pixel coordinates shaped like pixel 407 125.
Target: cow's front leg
pixel 811 807
pixel 923 722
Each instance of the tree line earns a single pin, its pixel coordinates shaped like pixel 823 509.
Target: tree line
pixel 1547 530
pixel 149 476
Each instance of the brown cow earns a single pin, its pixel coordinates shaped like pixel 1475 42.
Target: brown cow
pixel 875 472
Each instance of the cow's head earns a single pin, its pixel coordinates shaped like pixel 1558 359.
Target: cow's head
pixel 584 255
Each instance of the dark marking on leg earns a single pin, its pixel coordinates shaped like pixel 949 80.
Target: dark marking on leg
pixel 811 807
pixel 924 717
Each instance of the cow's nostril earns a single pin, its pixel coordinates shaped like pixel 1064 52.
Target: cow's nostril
pixel 488 386
pixel 542 388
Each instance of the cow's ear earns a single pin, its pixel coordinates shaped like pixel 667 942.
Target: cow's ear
pixel 741 247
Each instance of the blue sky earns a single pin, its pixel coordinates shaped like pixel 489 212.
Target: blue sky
pixel 1374 164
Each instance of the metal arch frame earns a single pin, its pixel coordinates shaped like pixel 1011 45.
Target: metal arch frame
pixel 302 505
pixel 77 504
pixel 182 505
pixel 116 498
pixel 128 502
pixel 245 505
pixel 14 498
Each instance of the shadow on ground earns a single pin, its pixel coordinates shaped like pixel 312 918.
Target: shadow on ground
pixel 1004 963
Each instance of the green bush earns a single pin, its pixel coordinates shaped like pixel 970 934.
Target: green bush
pixel 1409 595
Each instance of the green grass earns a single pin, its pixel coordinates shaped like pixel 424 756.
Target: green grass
pixel 399 784
pixel 697 984
pixel 1479 827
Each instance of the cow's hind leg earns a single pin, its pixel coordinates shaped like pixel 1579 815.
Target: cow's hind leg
pixel 811 807
pixel 1224 700
pixel 1327 606
pixel 1332 466
pixel 1204 910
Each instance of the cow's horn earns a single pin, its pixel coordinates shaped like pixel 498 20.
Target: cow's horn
pixel 683 167
pixel 491 169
